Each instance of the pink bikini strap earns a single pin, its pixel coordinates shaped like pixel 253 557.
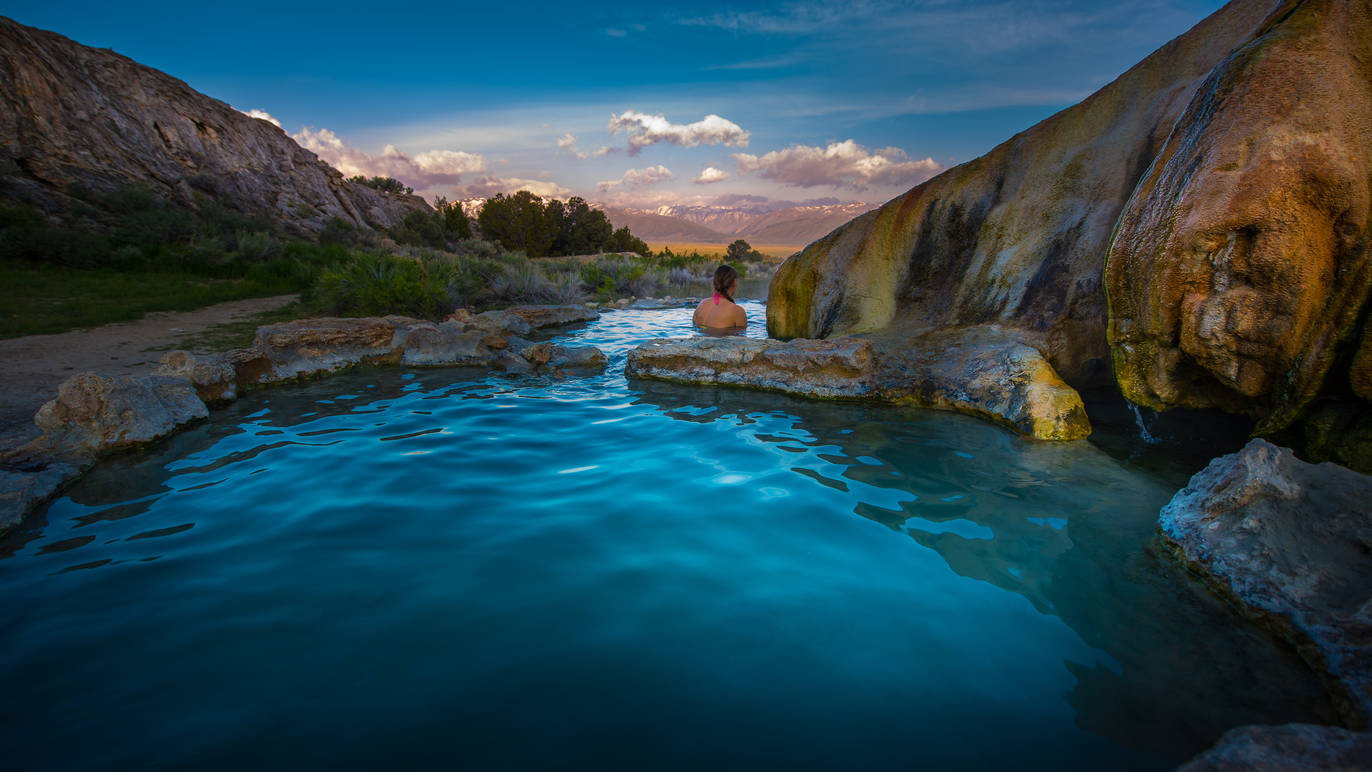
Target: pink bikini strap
pixel 716 298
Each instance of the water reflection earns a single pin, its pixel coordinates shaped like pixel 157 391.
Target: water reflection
pixel 1064 525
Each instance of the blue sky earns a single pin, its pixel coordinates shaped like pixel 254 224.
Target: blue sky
pixel 851 101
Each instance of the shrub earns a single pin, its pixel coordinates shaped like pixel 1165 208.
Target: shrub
pixel 372 285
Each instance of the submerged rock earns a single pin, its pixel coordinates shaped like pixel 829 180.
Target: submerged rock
pixel 101 414
pixel 979 371
pixel 1289 748
pixel 1291 544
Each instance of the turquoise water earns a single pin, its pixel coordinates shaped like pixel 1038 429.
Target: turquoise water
pixel 445 568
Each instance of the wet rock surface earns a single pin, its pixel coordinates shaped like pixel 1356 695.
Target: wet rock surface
pixel 1289 748
pixel 1290 543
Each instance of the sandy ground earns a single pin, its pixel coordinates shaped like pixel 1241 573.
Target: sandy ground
pixel 31 368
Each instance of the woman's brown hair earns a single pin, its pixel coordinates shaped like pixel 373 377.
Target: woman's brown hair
pixel 724 276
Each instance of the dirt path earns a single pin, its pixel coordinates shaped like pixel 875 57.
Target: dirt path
pixel 32 367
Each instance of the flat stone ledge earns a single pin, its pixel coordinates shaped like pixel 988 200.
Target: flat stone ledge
pixel 984 372
pixel 841 367
pixel 1290 543
pixel 1288 748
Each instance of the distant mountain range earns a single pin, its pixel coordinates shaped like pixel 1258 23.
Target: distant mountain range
pixel 796 225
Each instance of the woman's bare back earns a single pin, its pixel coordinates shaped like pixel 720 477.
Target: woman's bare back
pixel 719 313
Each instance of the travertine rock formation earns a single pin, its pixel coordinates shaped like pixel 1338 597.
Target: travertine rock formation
pixel 1017 237
pixel 1233 168
pixel 74 117
pixel 1291 544
pixel 1241 264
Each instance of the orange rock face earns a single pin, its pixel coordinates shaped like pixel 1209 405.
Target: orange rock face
pixel 1240 266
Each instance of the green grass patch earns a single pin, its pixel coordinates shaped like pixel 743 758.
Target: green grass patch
pixel 40 299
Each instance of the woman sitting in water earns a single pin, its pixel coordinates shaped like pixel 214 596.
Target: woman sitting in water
pixel 720 314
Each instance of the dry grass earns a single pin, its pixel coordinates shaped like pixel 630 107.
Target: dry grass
pixel 774 252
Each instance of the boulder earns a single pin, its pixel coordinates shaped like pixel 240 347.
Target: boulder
pixel 444 344
pixel 564 357
pixel 1242 262
pixel 987 372
pixel 547 316
pixel 213 377
pixel 99 413
pixel 1289 748
pixel 314 346
pixel 500 323
pixel 1290 543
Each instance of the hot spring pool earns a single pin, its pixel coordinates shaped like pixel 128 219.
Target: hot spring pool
pixel 446 568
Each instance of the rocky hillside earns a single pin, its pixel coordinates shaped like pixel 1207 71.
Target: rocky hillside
pixel 75 119
pixel 1226 177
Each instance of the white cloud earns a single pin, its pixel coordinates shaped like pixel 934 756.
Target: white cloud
pixel 711 174
pixel 488 186
pixel 262 115
pixel 637 178
pixel 841 164
pixel 567 142
pixel 424 172
pixel 645 130
pixel 603 150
